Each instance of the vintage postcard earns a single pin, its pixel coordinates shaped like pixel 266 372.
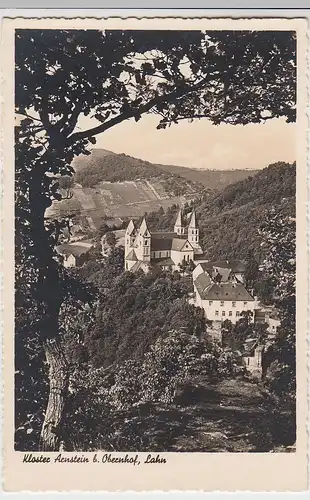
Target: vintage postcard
pixel 155 254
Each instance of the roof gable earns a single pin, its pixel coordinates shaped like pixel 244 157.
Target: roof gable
pixel 224 273
pixel 180 244
pixel 131 255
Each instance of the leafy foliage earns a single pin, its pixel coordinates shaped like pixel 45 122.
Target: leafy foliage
pixel 279 244
pixel 229 220
pixel 134 310
pixel 116 400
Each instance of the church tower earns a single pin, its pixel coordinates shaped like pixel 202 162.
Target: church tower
pixel 193 231
pixel 178 226
pixel 130 237
pixel 144 242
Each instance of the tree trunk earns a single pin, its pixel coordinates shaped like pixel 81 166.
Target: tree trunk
pixel 52 434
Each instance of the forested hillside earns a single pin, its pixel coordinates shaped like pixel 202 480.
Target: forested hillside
pixel 212 179
pixel 101 166
pixel 147 308
pixel 229 220
pixel 106 184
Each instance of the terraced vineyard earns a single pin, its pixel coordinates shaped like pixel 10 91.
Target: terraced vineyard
pixel 118 199
pixel 116 185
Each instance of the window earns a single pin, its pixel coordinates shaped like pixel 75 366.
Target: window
pixel 216 313
pixel 248 361
pixel 237 313
pixel 223 313
pixel 126 265
pixel 145 242
pixel 244 303
pixel 159 254
pixel 230 313
pixel 222 302
pixel 233 304
pixel 210 302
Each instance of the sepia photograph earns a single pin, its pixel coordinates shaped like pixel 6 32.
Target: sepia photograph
pixel 155 241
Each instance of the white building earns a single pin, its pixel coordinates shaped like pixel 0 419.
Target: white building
pixel 166 250
pixel 74 254
pixel 222 296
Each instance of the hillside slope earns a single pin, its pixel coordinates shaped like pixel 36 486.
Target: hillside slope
pixel 109 185
pixel 213 179
pixel 229 221
pixel 103 166
pixel 108 166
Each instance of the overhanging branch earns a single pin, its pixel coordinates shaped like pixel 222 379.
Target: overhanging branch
pixel 131 113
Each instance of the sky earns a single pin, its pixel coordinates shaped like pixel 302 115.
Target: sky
pixel 201 144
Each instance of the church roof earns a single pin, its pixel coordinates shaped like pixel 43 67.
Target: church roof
pixel 192 222
pixel 162 241
pixel 131 255
pixel 178 221
pixel 179 243
pixel 139 265
pixel 130 228
pixel 136 266
pixel 144 229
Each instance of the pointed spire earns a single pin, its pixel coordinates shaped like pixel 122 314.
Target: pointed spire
pixel 130 228
pixel 178 221
pixel 192 222
pixel 143 228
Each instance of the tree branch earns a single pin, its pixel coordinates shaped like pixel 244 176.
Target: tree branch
pixel 134 111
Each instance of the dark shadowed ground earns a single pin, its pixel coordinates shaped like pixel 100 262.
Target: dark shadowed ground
pixel 230 416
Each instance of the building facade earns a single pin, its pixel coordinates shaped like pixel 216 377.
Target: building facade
pixel 218 291
pixel 145 249
pixel 74 254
